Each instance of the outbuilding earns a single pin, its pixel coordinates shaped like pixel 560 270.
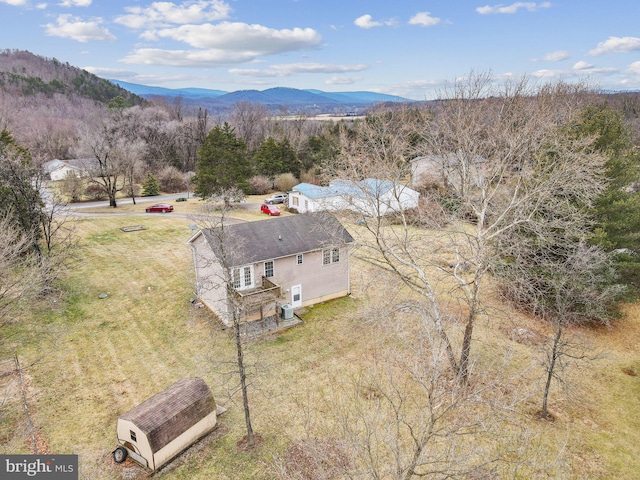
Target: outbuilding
pixel 161 427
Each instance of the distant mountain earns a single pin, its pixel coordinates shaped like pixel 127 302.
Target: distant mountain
pixel 147 91
pixel 292 99
pixel 24 74
pixel 359 97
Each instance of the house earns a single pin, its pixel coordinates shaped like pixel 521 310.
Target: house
pixel 158 429
pixel 59 169
pixel 294 260
pixel 454 169
pixel 369 197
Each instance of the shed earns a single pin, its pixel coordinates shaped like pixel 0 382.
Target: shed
pixel 161 427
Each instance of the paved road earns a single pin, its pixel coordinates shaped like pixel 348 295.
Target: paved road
pixel 74 209
pixel 125 201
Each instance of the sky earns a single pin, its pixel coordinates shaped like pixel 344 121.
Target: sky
pixel 412 48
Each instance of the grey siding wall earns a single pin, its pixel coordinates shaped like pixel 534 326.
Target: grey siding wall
pixel 210 286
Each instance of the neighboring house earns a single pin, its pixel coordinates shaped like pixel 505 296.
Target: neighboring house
pixel 447 170
pixel 370 197
pixel 59 169
pixel 297 260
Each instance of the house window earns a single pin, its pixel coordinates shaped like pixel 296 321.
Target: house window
pixel 242 277
pixel 247 277
pixel 294 201
pixel 330 256
pixel 132 434
pixel 268 269
pixel 299 259
pixel 235 278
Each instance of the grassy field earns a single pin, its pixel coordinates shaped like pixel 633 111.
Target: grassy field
pixel 100 357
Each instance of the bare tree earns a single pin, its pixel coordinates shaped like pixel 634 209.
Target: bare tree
pixel 218 255
pixel 500 155
pixel 110 156
pixel 404 415
pixel 555 274
pixel 249 120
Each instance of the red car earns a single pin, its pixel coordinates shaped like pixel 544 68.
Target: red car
pixel 270 210
pixel 160 207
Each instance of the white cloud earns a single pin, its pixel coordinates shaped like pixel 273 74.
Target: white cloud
pixel 68 26
pixel 616 44
pixel 75 3
pixel 167 13
pixel 548 74
pixel 513 8
pixel 582 65
pixel 340 80
pixel 41 6
pixel 634 68
pixel 187 58
pixel 110 72
pixel 555 56
pixel 425 19
pixel 250 40
pixel 366 21
pixel 286 70
pixel 15 3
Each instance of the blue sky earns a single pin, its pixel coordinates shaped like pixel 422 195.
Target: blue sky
pixel 405 47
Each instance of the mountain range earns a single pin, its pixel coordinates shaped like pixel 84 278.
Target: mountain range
pixel 312 101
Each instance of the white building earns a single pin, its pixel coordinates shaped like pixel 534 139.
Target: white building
pixel 369 197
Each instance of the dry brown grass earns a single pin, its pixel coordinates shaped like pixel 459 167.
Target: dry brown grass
pixel 110 354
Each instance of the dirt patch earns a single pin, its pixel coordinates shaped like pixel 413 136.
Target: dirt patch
pixel 317 458
pixel 245 446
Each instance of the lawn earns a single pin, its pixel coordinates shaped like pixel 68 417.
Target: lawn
pixel 100 357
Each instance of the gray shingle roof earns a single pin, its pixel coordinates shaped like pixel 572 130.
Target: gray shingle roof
pixel 173 411
pixel 251 242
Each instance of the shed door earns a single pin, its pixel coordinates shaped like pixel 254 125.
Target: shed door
pixel 296 296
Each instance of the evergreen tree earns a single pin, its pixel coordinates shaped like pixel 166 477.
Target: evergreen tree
pixel 222 163
pixel 151 186
pixel 19 195
pixel 275 158
pixel 617 210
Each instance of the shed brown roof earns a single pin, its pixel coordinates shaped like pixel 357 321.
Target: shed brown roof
pixel 171 412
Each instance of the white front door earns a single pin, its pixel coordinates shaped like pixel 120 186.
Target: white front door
pixel 296 296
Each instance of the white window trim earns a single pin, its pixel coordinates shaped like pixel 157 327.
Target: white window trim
pixel 241 274
pixel 273 269
pixel 332 254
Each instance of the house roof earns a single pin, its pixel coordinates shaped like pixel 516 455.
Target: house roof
pixel 314 191
pixel 173 411
pixel 251 242
pixel 74 163
pixel 367 188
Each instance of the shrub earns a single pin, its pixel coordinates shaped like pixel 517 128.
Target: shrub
pixel 285 182
pixel 172 180
pixel 95 192
pixel 260 184
pixel 72 186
